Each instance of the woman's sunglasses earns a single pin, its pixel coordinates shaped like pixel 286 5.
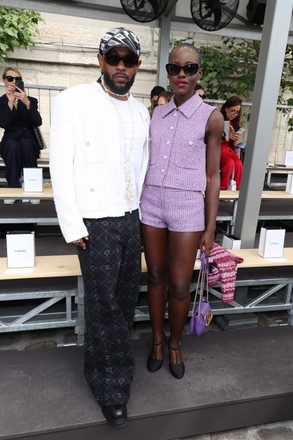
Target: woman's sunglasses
pixel 188 69
pixel 113 59
pixel 11 78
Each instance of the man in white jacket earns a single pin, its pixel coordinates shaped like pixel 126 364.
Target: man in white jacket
pixel 98 160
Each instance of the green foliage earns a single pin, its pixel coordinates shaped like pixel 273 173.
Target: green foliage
pixel 18 28
pixel 229 69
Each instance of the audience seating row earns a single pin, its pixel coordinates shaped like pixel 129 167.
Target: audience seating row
pixel 276 296
pixel 61 304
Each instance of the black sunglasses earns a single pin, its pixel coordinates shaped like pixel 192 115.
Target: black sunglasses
pixel 188 69
pixel 11 78
pixel 113 59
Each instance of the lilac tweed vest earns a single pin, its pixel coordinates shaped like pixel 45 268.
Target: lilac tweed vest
pixel 178 150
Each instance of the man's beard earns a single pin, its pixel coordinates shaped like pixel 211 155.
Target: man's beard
pixel 116 89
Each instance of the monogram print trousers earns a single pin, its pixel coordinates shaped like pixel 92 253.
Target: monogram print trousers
pixel 110 267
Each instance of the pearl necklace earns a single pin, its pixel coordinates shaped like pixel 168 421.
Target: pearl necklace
pixel 126 95
pixel 128 149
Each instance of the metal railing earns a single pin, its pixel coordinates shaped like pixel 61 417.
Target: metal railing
pixel 282 138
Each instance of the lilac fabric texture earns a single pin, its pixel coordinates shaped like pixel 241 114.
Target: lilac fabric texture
pixel 176 178
pixel 178 150
pixel 174 209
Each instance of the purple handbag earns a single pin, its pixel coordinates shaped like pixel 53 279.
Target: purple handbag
pixel 201 313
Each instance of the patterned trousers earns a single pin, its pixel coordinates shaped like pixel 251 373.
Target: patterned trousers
pixel 111 267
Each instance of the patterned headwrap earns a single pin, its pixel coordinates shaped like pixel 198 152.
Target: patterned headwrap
pixel 120 37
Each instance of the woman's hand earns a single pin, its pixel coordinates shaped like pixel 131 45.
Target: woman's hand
pixel 22 96
pixel 10 95
pixel 235 135
pixel 207 241
pixel 14 94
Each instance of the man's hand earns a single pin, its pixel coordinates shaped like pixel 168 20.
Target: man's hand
pixel 81 242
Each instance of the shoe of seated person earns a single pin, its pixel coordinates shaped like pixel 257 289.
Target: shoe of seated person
pixel 9 201
pixel 35 201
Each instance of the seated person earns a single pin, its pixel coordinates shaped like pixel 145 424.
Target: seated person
pixel 154 98
pixel 18 116
pixel 164 97
pixel 231 164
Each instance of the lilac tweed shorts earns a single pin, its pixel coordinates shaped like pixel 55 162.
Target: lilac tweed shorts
pixel 174 209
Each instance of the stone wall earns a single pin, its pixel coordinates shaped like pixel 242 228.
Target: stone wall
pixel 66 54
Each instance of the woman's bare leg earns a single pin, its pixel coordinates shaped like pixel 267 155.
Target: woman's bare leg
pixel 182 254
pixel 155 243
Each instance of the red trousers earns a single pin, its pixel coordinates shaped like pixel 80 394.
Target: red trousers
pixel 230 162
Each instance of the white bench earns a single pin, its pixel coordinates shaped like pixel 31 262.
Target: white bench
pixel 47 269
pixel 254 271
pixel 276 169
pixel 57 267
pixel 42 162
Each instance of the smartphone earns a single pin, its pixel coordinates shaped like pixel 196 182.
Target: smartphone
pixel 241 130
pixel 19 84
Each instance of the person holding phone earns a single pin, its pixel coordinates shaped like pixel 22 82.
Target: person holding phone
pixel 231 165
pixel 18 116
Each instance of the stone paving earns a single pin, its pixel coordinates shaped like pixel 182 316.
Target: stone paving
pixel 60 337
pixel 274 431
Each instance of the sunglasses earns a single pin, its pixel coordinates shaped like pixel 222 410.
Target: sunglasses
pixel 188 69
pixel 113 59
pixel 11 78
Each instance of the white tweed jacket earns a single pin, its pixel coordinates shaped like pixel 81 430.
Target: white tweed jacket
pixel 85 157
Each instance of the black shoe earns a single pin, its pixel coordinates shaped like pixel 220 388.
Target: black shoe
pixel 116 415
pixel 176 369
pixel 154 364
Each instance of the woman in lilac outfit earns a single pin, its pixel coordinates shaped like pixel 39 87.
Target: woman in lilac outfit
pixel 180 201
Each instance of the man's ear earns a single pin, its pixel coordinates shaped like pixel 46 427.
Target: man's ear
pixel 100 60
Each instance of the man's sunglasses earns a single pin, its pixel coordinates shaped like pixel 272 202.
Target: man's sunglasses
pixel 188 69
pixel 11 78
pixel 113 59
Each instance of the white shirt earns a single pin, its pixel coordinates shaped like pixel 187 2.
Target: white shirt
pixel 132 136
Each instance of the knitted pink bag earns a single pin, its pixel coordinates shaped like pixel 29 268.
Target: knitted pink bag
pixel 223 269
pixel 201 313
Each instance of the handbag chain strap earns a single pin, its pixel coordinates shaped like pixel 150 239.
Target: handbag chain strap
pixel 202 282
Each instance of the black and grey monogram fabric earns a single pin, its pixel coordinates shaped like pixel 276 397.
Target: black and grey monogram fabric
pixel 120 37
pixel 111 272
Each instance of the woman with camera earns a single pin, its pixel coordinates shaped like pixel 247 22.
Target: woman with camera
pixel 18 116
